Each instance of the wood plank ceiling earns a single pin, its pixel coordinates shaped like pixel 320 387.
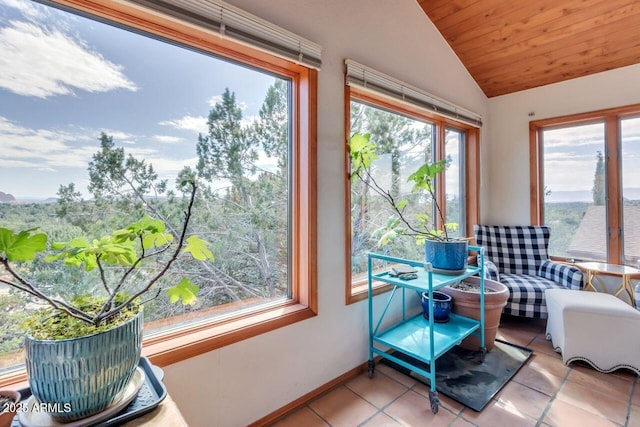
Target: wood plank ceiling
pixel 512 45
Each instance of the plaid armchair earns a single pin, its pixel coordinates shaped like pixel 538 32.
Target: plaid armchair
pixel 517 256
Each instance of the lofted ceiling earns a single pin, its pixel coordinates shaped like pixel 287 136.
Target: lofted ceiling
pixel 512 45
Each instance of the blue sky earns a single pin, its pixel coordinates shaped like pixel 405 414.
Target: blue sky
pixel 570 160
pixel 64 79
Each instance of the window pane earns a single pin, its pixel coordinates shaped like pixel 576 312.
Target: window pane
pixel 403 145
pixel 630 132
pixel 454 179
pixel 97 127
pixel 575 191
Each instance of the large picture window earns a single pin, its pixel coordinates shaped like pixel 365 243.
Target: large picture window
pixel 584 184
pixel 98 126
pixel 405 138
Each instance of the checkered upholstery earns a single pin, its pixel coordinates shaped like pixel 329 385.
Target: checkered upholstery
pixel 570 277
pixel 520 256
pixel 491 271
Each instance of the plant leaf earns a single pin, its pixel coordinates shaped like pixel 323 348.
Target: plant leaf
pixel 198 248
pixel 22 246
pixel 185 291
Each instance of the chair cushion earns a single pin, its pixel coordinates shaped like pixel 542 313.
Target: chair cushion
pixel 515 249
pixel 527 294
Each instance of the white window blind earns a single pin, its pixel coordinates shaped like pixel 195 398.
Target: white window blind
pixel 236 24
pixel 370 80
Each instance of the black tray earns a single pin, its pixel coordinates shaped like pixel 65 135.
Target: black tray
pixel 150 395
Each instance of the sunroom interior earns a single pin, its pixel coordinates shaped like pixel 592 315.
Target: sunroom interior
pixel 261 366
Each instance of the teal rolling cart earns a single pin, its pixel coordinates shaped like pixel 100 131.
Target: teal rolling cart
pixel 415 336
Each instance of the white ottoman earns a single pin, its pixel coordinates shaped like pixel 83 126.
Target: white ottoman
pixel 595 327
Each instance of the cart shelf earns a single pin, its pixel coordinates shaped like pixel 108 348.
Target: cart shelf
pixel 412 336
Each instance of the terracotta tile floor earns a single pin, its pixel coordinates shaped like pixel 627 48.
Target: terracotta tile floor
pixel 544 393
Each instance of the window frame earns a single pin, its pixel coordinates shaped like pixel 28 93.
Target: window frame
pixel 611 118
pixel 165 348
pixel 358 290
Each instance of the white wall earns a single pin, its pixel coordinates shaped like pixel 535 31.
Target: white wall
pixel 243 382
pixel 507 162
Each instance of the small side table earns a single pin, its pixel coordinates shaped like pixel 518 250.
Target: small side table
pixel 596 283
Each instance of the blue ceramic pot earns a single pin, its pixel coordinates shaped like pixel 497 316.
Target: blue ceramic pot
pixel 441 306
pixel 447 255
pixel 80 377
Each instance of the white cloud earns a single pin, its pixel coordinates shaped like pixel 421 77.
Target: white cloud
pixel 214 100
pixel 193 123
pixel 25 7
pixel 41 148
pixel 42 62
pixel 52 150
pixel 167 139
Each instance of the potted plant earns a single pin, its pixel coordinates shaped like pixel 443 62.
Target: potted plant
pixel 466 302
pixel 445 253
pixel 8 406
pixel 82 352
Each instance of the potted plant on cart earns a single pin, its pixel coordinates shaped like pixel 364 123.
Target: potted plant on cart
pixel 447 254
pixel 82 352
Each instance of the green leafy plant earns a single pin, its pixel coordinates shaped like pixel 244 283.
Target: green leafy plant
pixel 363 153
pixel 139 244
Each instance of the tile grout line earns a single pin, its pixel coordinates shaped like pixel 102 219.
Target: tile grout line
pixel 380 410
pixel 555 395
pixel 630 406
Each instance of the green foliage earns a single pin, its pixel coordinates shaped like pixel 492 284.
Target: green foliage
pixel 50 324
pixel 198 248
pixel 22 246
pixel 599 188
pixel 363 154
pixel 129 247
pixel 185 291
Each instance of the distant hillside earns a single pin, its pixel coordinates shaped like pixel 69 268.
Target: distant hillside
pixel 6 198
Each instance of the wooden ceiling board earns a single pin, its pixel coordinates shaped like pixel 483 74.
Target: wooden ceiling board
pixel 508 46
pixel 558 50
pixel 553 23
pixel 591 25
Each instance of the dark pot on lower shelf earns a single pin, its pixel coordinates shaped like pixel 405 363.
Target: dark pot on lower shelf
pixel 441 306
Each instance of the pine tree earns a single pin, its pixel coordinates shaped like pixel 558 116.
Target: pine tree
pixel 599 182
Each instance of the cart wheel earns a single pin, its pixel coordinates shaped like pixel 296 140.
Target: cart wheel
pixel 483 354
pixel 434 401
pixel 371 368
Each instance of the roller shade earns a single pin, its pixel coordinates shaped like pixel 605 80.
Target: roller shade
pixel 240 26
pixel 370 80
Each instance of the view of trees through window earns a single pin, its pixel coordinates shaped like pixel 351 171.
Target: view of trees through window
pixel 99 125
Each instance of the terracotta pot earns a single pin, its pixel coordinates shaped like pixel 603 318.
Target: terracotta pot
pixel 6 418
pixel 467 304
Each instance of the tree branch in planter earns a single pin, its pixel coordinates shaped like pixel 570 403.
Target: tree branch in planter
pixel 128 247
pixel 363 153
pixel 197 248
pixel 26 286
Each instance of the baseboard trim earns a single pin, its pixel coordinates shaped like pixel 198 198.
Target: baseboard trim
pixel 281 413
